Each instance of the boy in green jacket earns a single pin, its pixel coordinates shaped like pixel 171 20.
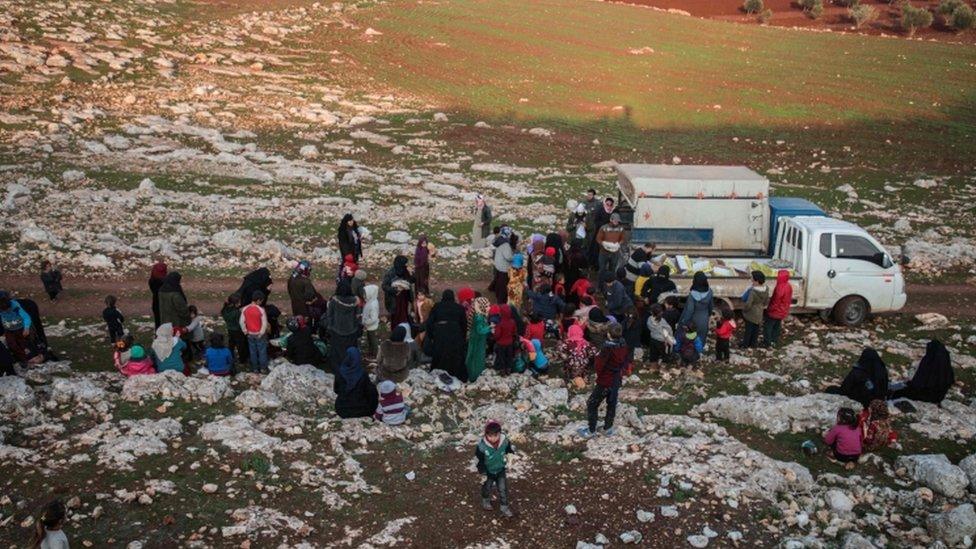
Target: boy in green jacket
pixel 491 452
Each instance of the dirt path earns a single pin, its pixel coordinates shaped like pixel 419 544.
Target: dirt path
pixel 83 298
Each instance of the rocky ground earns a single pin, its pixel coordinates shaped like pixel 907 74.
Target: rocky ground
pixel 223 138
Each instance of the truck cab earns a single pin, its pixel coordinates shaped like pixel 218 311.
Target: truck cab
pixel 847 272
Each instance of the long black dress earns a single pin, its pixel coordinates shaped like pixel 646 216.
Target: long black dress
pixel 867 380
pixel 356 395
pixel 933 378
pixel 446 327
pixel 258 280
pixel 302 350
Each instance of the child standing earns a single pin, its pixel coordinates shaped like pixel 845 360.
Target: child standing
pixel 220 361
pixel 51 278
pixel 390 410
pixel 231 313
pixel 671 312
pixel 371 319
pixel 48 533
pixel 491 453
pixel 723 335
pixel 113 318
pixel 535 328
pixel 757 297
pixel 575 353
pixel 610 365
pixel 844 439
pixel 505 336
pixel 254 324
pixel 689 345
pixel 660 334
pixel 195 331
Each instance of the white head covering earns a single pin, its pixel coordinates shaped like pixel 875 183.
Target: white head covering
pixel 409 337
pixel 386 387
pixel 164 342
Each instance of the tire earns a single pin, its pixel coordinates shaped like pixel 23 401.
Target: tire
pixel 851 311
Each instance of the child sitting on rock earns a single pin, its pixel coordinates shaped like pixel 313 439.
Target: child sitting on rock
pixel 136 363
pixel 844 439
pixel 220 361
pixel 390 410
pixel 875 425
pixel 491 453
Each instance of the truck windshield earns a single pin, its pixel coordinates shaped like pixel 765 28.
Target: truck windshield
pixel 858 247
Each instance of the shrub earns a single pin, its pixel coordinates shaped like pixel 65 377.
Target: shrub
pixel 752 6
pixel 946 7
pixel 848 3
pixel 962 18
pixel 863 14
pixel 813 8
pixel 765 16
pixel 913 18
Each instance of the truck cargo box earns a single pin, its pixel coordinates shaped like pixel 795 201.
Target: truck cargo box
pixel 700 208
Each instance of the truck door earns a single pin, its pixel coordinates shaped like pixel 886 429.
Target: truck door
pixel 859 267
pixel 820 294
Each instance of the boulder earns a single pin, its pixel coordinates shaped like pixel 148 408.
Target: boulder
pixel 778 414
pixel 968 465
pixel 67 390
pixel 953 527
pixel 543 397
pixel 309 152
pixel 147 186
pixel 299 384
pixel 257 400
pixel 839 502
pixel 120 445
pixel 235 240
pixel 16 397
pixel 171 384
pixel 239 435
pixel 399 237
pixel 936 472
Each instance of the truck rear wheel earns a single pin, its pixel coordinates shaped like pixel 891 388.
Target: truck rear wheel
pixel 851 311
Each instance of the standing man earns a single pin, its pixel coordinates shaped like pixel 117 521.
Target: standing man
pixel 482 223
pixel 592 206
pixel 609 239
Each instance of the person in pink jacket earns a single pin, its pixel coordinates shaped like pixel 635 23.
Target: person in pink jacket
pixel 844 439
pixel 138 363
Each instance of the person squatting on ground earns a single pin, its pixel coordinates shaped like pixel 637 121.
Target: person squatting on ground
pixel 610 364
pixel 844 439
pixel 491 453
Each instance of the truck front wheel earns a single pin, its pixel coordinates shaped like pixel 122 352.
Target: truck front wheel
pixel 851 311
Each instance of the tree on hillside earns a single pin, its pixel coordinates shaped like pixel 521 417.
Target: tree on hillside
pixel 913 18
pixel 813 8
pixel 752 6
pixel 862 14
pixel 962 18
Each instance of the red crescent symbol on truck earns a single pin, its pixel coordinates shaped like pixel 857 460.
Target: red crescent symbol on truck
pixel 667 194
pixel 647 216
pixel 733 195
pixel 759 196
pixel 701 195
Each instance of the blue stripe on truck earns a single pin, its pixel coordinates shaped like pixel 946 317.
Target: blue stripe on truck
pixel 681 237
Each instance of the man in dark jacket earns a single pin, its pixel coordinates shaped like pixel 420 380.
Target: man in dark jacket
pixel 610 365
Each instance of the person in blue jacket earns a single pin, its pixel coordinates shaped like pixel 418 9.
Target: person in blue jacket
pixel 17 325
pixel 698 306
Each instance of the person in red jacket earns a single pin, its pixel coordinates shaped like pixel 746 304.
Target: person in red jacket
pixel 610 365
pixel 723 335
pixel 505 335
pixel 778 308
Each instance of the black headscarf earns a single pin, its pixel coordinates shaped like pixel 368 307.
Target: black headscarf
pixel 665 272
pixel 347 243
pixel 934 374
pixel 400 267
pixel 877 372
pixel 344 288
pixel 447 296
pixel 172 283
pixel 258 280
pixel 700 282
pixel 398 334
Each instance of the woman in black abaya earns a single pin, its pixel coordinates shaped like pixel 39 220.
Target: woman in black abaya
pixel 446 329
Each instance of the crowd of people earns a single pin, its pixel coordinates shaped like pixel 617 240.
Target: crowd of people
pixel 547 314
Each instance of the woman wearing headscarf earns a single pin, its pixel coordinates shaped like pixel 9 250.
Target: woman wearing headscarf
pixel 482 223
pixel 698 306
pixel 421 264
pixel 356 395
pixel 933 378
pixel 502 264
pixel 173 308
pixel 301 348
pixel 166 350
pixel 397 356
pixel 867 380
pixel 350 239
pixel 300 289
pixel 156 277
pixel 662 284
pixel 258 280
pixel 340 324
pixel 445 342
pixel 555 241
pixel 397 286
pixel 478 331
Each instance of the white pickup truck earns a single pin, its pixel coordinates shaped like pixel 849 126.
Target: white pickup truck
pixel 723 217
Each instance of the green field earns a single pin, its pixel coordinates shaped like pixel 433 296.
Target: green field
pixel 568 64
